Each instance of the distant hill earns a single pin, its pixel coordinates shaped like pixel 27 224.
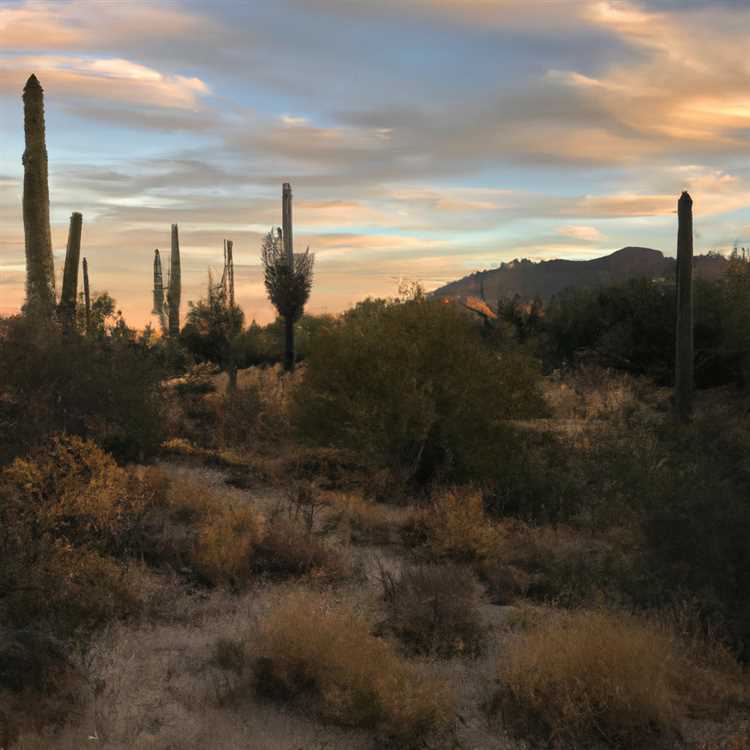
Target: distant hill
pixel 530 279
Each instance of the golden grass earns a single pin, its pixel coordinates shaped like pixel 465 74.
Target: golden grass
pixel 311 647
pixel 225 544
pixel 595 675
pixel 364 520
pixel 457 528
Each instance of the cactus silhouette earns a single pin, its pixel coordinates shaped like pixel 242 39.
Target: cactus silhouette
pixel 158 308
pixel 40 270
pixel 86 296
pixel 288 277
pixel 69 294
pixel 683 379
pixel 174 292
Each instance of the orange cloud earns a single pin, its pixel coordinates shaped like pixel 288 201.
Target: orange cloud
pixel 589 234
pixel 113 79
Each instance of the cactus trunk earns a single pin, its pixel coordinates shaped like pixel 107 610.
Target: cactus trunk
pixel 40 270
pixel 230 273
pixel 175 286
pixel 158 308
pixel 683 380
pixel 69 294
pixel 86 295
pixel 286 235
pixel 288 343
pixel 286 224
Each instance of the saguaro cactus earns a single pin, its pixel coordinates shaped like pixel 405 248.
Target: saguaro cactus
pixel 40 271
pixel 683 379
pixel 86 295
pixel 286 224
pixel 69 294
pixel 229 271
pixel 288 278
pixel 175 286
pixel 158 308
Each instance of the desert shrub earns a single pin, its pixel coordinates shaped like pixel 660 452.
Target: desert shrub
pixel 105 388
pixel 456 527
pixel 365 520
pixel 630 327
pixel 590 676
pixel 225 544
pixel 415 389
pixel 289 549
pixel 73 491
pixel 316 650
pixel 696 522
pixel 69 518
pixel 434 610
pixel 237 417
pixel 35 671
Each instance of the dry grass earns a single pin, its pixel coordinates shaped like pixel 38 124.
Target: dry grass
pixel 160 687
pixel 289 549
pixel 455 527
pixel 318 650
pixel 434 610
pixel 365 521
pixel 598 676
pixel 225 545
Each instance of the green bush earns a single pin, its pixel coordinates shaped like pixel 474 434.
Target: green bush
pixel 105 388
pixel 413 387
pixel 630 326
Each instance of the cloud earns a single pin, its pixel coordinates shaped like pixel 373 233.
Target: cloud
pixel 589 234
pixel 112 79
pixel 83 24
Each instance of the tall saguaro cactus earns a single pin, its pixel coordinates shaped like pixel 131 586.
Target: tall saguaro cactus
pixel 175 285
pixel 683 379
pixel 288 278
pixel 229 271
pixel 286 224
pixel 40 271
pixel 158 308
pixel 69 294
pixel 87 296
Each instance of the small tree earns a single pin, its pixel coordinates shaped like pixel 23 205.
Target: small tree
pixel 211 331
pixel 288 287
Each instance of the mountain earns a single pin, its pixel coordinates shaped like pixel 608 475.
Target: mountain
pixel 530 279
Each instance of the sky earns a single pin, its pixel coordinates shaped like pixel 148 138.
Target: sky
pixel 424 139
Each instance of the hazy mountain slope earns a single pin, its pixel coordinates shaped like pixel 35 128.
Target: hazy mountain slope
pixel 545 278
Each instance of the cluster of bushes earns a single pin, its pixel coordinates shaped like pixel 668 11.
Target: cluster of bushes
pixel 588 676
pixel 630 327
pixel 323 652
pixel 414 388
pixel 102 387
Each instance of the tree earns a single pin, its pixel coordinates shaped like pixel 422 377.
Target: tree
pixel 212 330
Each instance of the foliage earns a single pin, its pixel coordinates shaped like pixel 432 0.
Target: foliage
pixel 434 610
pixel 211 331
pixel 64 513
pixel 314 649
pixel 102 387
pixel 287 288
pixel 412 385
pixel 589 676
pixel 630 327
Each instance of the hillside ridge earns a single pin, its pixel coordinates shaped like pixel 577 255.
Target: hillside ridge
pixel 529 279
